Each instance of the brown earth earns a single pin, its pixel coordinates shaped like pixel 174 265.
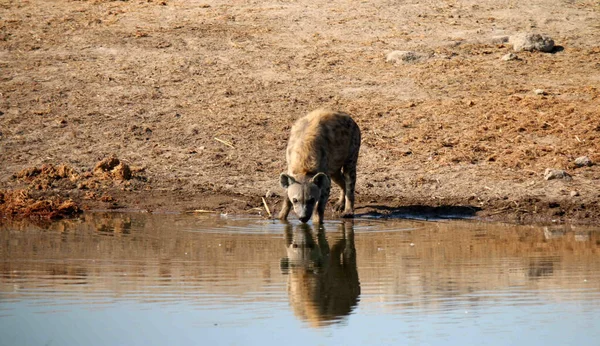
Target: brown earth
pixel 197 99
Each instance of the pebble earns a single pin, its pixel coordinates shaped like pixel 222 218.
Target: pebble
pixel 500 39
pixel 271 194
pixel 404 56
pixel 531 42
pixel 552 173
pixel 540 92
pixel 574 193
pixel 583 161
pixel 510 56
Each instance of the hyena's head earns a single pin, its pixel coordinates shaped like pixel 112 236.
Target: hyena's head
pixel 302 249
pixel 305 193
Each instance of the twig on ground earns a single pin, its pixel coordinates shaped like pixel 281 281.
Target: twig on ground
pixel 224 142
pixel 267 207
pixel 500 211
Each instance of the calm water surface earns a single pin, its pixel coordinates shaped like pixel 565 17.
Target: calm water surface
pixel 137 279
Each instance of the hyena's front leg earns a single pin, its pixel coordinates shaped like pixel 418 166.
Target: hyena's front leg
pixel 350 178
pixel 320 213
pixel 285 208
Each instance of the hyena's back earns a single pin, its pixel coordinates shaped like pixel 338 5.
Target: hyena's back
pixel 322 141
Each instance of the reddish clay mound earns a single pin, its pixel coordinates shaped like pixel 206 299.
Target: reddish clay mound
pixel 20 203
pixel 46 191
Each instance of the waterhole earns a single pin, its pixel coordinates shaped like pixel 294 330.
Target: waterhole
pixel 139 279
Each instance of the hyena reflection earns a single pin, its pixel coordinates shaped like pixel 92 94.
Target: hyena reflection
pixel 323 284
pixel 323 146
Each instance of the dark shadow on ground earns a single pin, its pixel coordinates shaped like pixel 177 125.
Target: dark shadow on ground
pixel 418 212
pixel 557 49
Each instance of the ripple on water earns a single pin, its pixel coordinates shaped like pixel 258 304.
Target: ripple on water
pixel 372 279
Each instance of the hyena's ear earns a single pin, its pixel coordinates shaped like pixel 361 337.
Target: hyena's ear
pixel 321 180
pixel 286 180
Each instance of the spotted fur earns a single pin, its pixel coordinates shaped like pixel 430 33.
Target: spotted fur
pixel 323 146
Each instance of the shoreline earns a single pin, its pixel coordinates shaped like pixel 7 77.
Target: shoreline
pixel 385 207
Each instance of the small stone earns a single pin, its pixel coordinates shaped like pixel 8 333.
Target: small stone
pixel 401 56
pixel 583 161
pixel 574 193
pixel 271 194
pixel 540 92
pixel 510 57
pixel 499 39
pixel 552 173
pixel 531 42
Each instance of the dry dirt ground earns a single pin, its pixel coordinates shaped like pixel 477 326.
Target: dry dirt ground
pixel 197 99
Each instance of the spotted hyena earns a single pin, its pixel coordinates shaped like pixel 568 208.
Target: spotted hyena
pixel 323 146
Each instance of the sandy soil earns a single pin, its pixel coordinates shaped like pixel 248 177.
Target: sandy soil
pixel 197 98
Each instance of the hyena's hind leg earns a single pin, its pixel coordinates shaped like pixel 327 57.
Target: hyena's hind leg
pixel 285 208
pixel 338 178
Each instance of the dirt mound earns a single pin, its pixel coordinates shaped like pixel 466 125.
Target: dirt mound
pixel 45 191
pixel 48 175
pixel 113 168
pixel 43 177
pixel 21 203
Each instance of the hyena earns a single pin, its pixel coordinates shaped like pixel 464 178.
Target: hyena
pixel 323 146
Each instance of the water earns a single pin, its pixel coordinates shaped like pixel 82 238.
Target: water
pixel 138 279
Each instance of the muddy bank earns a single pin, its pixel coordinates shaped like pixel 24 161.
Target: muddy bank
pixel 59 191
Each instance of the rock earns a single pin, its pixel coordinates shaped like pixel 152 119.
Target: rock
pixel 531 42
pixel 271 194
pixel 510 56
pixel 552 173
pixel 583 161
pixel 499 39
pixel 540 92
pixel 401 56
pixel 574 193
